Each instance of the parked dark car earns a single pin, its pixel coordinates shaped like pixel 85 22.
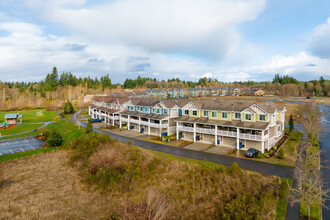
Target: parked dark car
pixel 251 152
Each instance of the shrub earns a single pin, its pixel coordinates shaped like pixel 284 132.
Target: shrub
pixel 55 138
pixel 234 168
pixel 44 132
pixel 68 108
pixel 280 154
pixel 275 148
pixel 89 126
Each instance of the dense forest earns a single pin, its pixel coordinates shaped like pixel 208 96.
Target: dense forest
pixel 67 86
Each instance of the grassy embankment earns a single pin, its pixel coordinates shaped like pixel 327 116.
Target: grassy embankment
pixel 135 183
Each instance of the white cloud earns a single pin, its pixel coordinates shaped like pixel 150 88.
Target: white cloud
pixel 204 27
pixel 320 43
pixel 156 74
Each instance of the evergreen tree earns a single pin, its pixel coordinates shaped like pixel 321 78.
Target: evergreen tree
pixel 68 108
pixel 291 123
pixel 89 127
pixel 55 138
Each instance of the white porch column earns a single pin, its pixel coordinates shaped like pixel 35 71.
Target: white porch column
pixel 149 126
pixel 194 132
pixel 113 120
pixel 160 128
pixel 168 127
pixel 177 130
pixel 128 124
pixel 216 136
pixel 139 124
pixel 237 139
pixel 262 142
pixel 120 121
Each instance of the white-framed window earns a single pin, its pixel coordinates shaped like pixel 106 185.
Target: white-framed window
pixel 248 117
pixel 194 113
pixel 214 114
pixel 118 106
pixel 157 110
pixel 262 117
pixel 165 111
pixel 206 114
pixel 153 110
pixel 224 114
pixel 115 106
pixel 237 115
pixel 279 128
pixel 186 112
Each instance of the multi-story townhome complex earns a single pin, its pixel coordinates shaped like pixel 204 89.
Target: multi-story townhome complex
pixel 108 108
pixel 152 116
pixel 237 124
pixel 244 125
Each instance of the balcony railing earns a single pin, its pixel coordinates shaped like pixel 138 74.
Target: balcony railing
pixel 227 133
pixel 124 119
pixel 222 133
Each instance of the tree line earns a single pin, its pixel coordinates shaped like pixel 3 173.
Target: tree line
pixel 67 86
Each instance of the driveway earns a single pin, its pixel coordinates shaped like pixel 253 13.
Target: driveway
pixel 197 146
pixel 270 169
pixel 219 149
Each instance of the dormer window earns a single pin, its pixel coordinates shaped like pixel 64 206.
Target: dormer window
pixel 165 111
pixel 194 113
pixel 214 114
pixel 224 114
pixel 248 117
pixel 186 112
pixel 237 115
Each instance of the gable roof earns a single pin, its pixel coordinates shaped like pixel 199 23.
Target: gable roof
pixel 9 116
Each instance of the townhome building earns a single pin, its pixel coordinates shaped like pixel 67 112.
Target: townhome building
pixel 151 116
pixel 237 124
pixel 240 125
pixel 107 108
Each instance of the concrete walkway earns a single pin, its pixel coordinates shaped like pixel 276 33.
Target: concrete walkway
pixel 267 168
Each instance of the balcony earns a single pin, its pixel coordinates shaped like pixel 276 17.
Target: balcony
pixel 222 133
pixel 227 133
pixel 124 119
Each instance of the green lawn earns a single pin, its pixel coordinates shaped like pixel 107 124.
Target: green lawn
pixel 68 129
pixel 282 203
pixel 30 116
pixel 20 128
pixel 26 153
pixel 33 133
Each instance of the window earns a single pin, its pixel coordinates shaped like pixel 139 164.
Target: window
pixel 165 111
pixel 224 114
pixel 214 114
pixel 206 114
pixel 118 106
pixel 262 117
pixel 194 112
pixel 186 112
pixel 237 115
pixel 279 128
pixel 248 117
pixel 153 110
pixel 157 110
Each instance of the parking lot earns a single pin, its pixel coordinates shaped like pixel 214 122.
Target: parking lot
pixel 19 145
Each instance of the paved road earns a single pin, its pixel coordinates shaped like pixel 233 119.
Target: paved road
pixel 266 168
pixel 14 146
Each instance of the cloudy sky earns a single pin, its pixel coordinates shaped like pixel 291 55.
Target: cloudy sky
pixel 224 39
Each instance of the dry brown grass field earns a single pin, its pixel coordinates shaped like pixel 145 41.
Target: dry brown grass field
pixel 111 179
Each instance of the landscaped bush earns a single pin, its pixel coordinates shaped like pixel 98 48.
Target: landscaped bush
pixel 280 154
pixel 54 139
